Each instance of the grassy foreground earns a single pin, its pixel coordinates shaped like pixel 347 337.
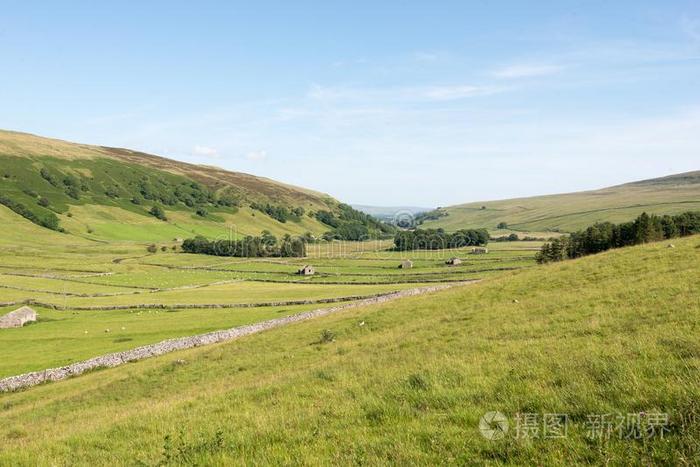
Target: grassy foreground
pixel 407 382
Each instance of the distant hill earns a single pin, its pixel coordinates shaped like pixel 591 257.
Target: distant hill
pixel 571 211
pixel 104 193
pixel 389 212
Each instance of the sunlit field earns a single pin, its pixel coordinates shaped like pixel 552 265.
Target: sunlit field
pixel 96 298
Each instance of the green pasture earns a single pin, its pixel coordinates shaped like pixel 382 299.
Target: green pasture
pixel 407 382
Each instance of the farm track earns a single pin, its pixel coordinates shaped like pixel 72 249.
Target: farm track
pixel 27 380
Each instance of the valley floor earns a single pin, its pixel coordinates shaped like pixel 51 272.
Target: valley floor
pixel 613 335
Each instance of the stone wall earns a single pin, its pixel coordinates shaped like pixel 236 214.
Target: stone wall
pixel 13 383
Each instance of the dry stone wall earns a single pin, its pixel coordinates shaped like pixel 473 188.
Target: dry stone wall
pixel 14 383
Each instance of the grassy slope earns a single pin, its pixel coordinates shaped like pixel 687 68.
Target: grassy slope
pixel 572 211
pixel 97 216
pixel 612 333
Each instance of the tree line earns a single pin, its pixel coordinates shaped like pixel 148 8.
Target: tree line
pixel 265 245
pixel 437 239
pixel 605 235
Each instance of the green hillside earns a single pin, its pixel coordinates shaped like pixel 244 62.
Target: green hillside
pixel 572 211
pixel 106 194
pixel 407 382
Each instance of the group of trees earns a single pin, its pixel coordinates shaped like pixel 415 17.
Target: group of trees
pixel 265 245
pixel 279 213
pixel 350 224
pixel 604 236
pixel 437 239
pixel 189 193
pixel 48 220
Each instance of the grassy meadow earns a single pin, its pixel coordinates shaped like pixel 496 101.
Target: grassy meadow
pixel 83 278
pixel 407 382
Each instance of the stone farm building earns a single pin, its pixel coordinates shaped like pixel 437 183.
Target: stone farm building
pixel 453 261
pixel 408 264
pixel 479 250
pixel 17 318
pixel 306 271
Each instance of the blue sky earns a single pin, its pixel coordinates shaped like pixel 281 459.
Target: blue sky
pixel 384 103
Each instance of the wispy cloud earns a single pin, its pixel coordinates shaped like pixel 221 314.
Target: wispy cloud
pixel 691 27
pixel 402 93
pixel 527 71
pixel 205 151
pixel 429 56
pixel 445 93
pixel 259 155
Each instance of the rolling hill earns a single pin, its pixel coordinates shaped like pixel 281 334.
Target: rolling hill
pixel 571 211
pixel 104 194
pixel 407 382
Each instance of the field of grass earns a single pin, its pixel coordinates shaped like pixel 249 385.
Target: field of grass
pixel 407 382
pixel 78 274
pixel 573 211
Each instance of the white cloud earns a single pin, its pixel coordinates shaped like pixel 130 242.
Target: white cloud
pixel 527 71
pixel 445 93
pixel 691 27
pixel 401 94
pixel 256 155
pixel 205 151
pixel 423 56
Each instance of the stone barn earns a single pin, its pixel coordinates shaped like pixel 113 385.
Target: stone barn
pixel 453 261
pixel 306 271
pixel 479 250
pixel 408 264
pixel 18 318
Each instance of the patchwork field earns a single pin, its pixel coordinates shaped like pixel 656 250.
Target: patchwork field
pixel 95 298
pixel 401 383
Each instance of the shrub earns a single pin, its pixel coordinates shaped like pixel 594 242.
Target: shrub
pixel 152 249
pixel 73 192
pixel 327 336
pixel 43 202
pixel 158 213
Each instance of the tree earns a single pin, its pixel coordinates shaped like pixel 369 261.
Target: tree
pixel 158 213
pixel 268 239
pixel 502 225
